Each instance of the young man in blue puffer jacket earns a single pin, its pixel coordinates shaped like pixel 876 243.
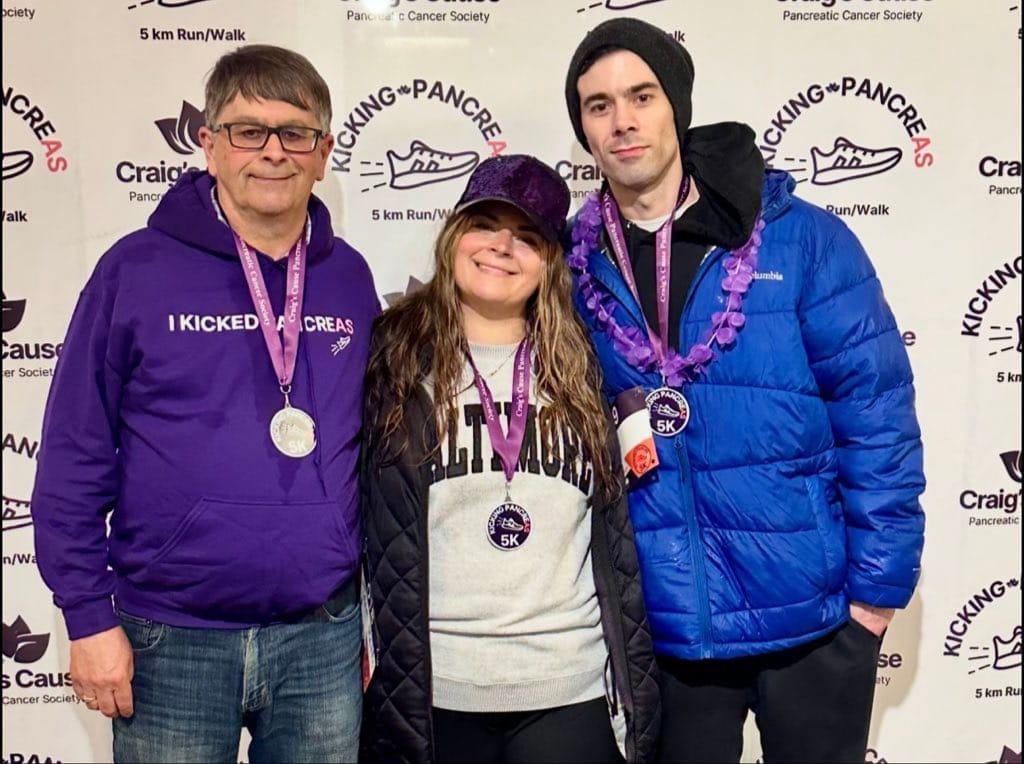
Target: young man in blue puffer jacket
pixel 776 503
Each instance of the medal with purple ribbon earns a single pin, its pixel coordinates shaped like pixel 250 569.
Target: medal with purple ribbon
pixel 508 526
pixel 669 410
pixel 292 430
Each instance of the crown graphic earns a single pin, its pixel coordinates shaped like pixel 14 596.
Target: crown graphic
pixel 1009 756
pixel 16 163
pixel 423 165
pixel 848 161
pixel 16 514
pixel 21 645
pixel 1007 651
pixel 182 132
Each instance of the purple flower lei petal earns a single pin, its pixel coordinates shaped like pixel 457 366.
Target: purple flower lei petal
pixel 630 341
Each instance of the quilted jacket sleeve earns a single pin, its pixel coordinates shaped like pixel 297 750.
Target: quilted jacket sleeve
pixel 396 706
pixel 864 377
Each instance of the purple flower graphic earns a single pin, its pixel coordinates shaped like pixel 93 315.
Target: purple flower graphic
pixel 21 645
pixel 182 132
pixel 14 310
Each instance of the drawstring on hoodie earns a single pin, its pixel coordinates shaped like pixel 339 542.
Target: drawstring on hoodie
pixel 318 451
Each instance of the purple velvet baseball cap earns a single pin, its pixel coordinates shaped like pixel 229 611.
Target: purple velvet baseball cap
pixel 527 184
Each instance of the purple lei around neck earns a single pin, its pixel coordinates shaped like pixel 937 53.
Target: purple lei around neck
pixel 632 342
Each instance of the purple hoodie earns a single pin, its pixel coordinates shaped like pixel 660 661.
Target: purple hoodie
pixel 160 411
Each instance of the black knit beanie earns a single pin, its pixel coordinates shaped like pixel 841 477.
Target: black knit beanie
pixel 667 58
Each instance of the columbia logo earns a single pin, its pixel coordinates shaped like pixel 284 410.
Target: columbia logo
pixel 768 276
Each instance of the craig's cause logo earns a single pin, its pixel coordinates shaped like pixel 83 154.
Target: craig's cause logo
pixel 984 636
pixel 994 320
pixel 181 135
pixel 29 686
pixel 996 506
pixel 34 359
pixel 794 139
pixel 450 130
pixel 994 169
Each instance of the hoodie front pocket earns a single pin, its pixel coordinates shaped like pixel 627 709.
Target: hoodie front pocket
pixel 251 561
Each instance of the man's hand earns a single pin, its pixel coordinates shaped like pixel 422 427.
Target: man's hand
pixel 102 667
pixel 874 619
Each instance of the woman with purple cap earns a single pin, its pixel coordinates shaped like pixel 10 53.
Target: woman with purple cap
pixel 508 615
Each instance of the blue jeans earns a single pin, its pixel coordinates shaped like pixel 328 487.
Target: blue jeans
pixel 296 687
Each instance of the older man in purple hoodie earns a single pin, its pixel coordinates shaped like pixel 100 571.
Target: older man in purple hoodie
pixel 208 400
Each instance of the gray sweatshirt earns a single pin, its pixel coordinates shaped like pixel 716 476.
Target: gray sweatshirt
pixel 514 617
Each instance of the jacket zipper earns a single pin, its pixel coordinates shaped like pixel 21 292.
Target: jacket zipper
pixel 686 480
pixel 686 483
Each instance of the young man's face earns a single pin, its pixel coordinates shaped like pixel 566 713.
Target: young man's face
pixel 628 121
pixel 269 182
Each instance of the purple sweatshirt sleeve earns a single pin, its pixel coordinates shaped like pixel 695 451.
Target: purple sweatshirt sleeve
pixel 78 474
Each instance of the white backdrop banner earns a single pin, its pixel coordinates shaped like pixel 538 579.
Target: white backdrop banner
pixel 102 101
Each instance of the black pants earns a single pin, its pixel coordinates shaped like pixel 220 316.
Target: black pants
pixel 811 703
pixel 578 733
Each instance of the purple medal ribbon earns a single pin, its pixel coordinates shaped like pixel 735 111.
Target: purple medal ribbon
pixel 662 263
pixel 283 349
pixel 507 447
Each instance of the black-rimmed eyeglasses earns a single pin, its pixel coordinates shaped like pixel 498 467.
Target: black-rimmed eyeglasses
pixel 295 139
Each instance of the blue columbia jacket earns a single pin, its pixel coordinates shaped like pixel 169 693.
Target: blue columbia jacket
pixel 794 489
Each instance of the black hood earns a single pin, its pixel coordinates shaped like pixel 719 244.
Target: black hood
pixel 729 171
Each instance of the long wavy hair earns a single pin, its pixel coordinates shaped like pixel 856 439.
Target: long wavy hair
pixel 422 335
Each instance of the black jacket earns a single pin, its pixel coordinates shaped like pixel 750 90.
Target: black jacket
pixel 397 706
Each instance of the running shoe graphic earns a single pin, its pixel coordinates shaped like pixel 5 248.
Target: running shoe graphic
pixel 617 5
pixel 1011 334
pixel 16 514
pixel 848 161
pixel 424 165
pixel 508 524
pixel 14 310
pixel 16 163
pixel 663 409
pixel 165 3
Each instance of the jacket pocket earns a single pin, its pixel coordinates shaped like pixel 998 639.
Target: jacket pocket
pixel 247 561
pixel 828 516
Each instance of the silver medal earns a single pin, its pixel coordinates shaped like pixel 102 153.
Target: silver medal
pixel 293 432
